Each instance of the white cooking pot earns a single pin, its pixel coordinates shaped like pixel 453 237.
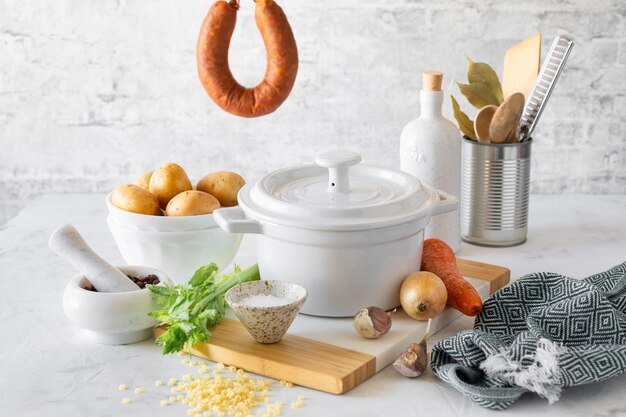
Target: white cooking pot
pixel 348 233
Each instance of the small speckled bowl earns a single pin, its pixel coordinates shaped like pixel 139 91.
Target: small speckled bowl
pixel 267 324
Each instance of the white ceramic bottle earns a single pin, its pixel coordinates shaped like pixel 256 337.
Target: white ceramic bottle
pixel 430 149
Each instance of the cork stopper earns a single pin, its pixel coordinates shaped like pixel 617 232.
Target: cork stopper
pixel 432 80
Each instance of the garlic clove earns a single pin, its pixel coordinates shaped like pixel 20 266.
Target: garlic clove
pixel 364 325
pixel 372 322
pixel 413 361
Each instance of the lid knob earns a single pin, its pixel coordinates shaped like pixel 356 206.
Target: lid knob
pixel 338 163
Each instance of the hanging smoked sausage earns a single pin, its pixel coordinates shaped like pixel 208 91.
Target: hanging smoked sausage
pixel 212 56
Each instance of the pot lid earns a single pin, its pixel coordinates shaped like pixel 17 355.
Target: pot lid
pixel 337 193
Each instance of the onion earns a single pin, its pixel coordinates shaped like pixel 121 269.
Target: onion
pixel 423 295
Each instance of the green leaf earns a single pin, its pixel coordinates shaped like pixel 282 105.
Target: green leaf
pixel 161 290
pixel 212 316
pixel 466 125
pixel 200 337
pixel 481 72
pixel 478 94
pixel 181 308
pixel 180 312
pixel 203 275
pixel 173 340
pixel 161 315
pixel 165 302
pixel 186 327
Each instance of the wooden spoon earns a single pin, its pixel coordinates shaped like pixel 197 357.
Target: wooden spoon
pixel 482 122
pixel 505 121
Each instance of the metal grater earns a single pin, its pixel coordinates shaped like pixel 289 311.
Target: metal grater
pixel 549 74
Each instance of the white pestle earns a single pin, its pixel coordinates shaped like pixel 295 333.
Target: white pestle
pixel 69 244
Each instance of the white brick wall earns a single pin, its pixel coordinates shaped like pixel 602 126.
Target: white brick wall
pixel 93 92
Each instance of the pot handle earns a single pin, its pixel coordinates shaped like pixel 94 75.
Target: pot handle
pixel 233 220
pixel 447 203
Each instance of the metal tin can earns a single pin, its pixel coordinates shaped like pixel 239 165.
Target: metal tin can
pixel 495 180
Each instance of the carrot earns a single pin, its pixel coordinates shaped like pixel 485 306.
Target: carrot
pixel 439 259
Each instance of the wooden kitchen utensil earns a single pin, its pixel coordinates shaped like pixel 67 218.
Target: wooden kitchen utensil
pixel 70 245
pixel 327 354
pixel 505 121
pixel 482 123
pixel 550 71
pixel 521 66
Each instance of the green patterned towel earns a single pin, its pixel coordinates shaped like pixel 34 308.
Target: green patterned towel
pixel 540 334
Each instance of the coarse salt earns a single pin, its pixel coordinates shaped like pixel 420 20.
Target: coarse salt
pixel 265 300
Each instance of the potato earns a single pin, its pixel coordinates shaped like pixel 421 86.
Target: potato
pixel 191 203
pixel 144 180
pixel 131 197
pixel 168 181
pixel 223 185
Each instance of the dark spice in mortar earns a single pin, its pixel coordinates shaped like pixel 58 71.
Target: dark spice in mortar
pixel 140 281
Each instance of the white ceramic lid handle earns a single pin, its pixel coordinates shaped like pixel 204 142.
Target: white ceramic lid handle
pixel 447 203
pixel 338 163
pixel 233 220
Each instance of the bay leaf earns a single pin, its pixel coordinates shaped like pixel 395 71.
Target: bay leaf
pixel 466 125
pixel 481 72
pixel 478 94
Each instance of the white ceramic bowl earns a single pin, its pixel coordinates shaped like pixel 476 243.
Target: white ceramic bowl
pixel 113 318
pixel 179 254
pixel 144 222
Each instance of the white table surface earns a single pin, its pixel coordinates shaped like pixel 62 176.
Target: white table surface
pixel 48 369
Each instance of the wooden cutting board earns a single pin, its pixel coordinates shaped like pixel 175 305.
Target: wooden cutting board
pixel 326 353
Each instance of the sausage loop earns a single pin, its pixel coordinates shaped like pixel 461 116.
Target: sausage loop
pixel 212 59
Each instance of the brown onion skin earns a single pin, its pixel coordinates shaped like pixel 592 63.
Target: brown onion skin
pixel 423 295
